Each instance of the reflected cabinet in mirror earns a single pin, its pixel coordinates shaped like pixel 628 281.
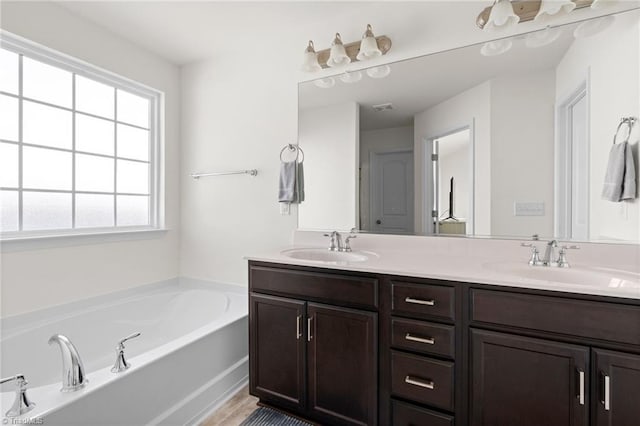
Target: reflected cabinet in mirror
pixel 506 139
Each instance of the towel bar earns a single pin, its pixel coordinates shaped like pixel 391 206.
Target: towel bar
pixel 252 172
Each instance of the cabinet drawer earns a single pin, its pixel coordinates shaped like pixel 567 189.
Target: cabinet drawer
pixel 423 380
pixel 596 320
pixel 411 415
pixel 315 286
pixel 422 300
pixel 424 337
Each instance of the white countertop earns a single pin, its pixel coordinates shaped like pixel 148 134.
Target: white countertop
pixel 469 267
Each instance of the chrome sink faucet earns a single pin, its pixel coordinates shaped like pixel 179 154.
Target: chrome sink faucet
pixel 73 377
pixel 336 243
pixel 549 258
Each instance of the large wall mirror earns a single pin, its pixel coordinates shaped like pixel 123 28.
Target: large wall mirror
pixel 506 139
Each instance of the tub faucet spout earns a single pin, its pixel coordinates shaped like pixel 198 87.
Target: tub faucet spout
pixel 73 377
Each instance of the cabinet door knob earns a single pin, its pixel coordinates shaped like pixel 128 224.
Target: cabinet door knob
pixel 420 301
pixel 427 384
pixel 427 340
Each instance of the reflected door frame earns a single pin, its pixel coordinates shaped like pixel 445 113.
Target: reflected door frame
pixel 565 172
pixel 427 177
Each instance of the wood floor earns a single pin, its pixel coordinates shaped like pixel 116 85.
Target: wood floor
pixel 234 411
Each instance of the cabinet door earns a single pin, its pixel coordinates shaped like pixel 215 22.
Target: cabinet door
pixel 618 388
pixel 527 382
pixel 343 365
pixel 276 350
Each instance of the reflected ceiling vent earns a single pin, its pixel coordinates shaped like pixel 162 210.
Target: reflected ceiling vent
pixel 383 107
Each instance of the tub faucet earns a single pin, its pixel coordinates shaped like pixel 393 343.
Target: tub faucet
pixel 121 363
pixel 73 377
pixel 21 404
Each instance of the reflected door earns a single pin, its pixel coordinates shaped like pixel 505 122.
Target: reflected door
pixel 392 192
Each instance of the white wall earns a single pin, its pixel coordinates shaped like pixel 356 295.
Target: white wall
pixel 610 62
pixel 329 137
pixel 522 152
pixel 470 108
pixel 234 117
pixel 381 140
pixel 36 278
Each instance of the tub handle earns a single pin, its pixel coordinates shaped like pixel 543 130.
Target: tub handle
pixel 129 337
pixel 21 404
pixel 121 363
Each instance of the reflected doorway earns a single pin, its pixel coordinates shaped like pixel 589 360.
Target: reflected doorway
pixel 451 183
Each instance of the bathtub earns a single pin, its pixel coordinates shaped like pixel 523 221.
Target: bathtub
pixel 192 355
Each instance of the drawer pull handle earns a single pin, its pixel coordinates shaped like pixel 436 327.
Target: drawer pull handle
pixel 427 340
pixel 607 393
pixel 581 380
pixel 298 331
pixel 420 301
pixel 417 382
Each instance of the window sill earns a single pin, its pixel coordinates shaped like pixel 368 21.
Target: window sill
pixel 38 242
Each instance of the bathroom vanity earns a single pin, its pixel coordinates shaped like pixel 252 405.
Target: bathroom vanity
pixel 351 347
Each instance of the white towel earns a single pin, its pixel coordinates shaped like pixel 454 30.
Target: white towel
pixel 620 179
pixel 629 182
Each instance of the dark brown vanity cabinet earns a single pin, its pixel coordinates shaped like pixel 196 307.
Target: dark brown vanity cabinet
pixel 350 348
pixel 558 374
pixel 617 388
pixel 528 382
pixel 317 360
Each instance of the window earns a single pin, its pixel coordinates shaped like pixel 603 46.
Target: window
pixel 78 146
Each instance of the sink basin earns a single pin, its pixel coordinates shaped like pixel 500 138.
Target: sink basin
pixel 577 275
pixel 326 256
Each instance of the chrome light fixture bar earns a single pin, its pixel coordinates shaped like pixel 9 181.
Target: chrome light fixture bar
pixel 527 10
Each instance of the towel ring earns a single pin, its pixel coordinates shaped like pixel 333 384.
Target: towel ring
pixel 292 147
pixel 630 122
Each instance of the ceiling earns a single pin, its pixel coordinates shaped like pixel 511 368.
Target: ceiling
pixel 187 31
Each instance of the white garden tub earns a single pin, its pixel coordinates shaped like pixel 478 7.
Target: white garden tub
pixel 192 355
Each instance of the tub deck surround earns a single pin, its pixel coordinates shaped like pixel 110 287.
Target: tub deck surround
pixel 476 260
pixel 184 323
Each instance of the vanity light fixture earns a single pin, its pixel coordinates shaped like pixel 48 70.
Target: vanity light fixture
pixel 593 26
pixel 381 71
pixel 501 16
pixel 338 56
pixel 504 13
pixel 550 9
pixel 310 63
pixel 341 54
pixel 542 38
pixel 351 77
pixel 368 46
pixel 496 47
pixel 325 83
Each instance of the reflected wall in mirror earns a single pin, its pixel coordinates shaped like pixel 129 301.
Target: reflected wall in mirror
pixel 505 139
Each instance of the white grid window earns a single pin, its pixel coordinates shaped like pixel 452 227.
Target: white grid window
pixel 78 146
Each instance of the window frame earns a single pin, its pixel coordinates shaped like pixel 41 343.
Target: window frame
pixel 77 67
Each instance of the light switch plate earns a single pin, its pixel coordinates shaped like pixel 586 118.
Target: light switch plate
pixel 528 208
